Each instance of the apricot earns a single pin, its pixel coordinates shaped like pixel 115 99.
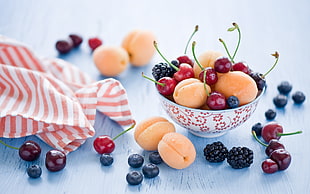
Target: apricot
pixel 150 131
pixel 191 93
pixel 239 84
pixel 176 150
pixel 110 60
pixel 139 45
pixel 206 59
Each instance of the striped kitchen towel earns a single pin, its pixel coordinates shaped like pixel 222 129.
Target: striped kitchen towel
pixel 53 99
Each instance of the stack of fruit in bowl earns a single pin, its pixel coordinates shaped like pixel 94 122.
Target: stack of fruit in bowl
pixel 210 94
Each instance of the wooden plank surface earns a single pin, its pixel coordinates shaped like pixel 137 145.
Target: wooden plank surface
pixel 266 26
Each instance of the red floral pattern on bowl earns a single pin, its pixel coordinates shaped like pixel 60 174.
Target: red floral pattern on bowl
pixel 209 123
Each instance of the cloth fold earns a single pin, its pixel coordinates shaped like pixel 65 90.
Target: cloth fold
pixel 53 99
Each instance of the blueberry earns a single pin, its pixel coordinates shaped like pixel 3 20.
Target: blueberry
pixel 280 101
pixel 299 97
pixel 34 171
pixel 106 159
pixel 270 114
pixel 135 160
pixel 155 158
pixel 257 127
pixel 232 101
pixel 284 87
pixel 150 170
pixel 134 177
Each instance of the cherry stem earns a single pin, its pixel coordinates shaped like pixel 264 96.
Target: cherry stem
pixel 173 66
pixel 190 38
pixel 7 145
pixel 258 140
pixel 286 134
pixel 239 39
pixel 196 60
pixel 132 126
pixel 276 55
pixel 157 82
pixel 204 82
pixel 226 49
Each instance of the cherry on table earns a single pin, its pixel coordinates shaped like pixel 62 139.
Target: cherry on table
pixel 29 151
pixel 55 160
pixel 76 40
pixel 274 130
pixel 273 145
pixel 282 157
pixel 269 166
pixel 94 42
pixel 64 46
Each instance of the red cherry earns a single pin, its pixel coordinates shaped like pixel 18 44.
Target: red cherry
pixel 184 71
pixel 240 66
pixel 64 46
pixel 269 166
pixel 210 76
pixel 164 85
pixel 216 101
pixel 282 158
pixel 29 151
pixel 55 160
pixel 274 130
pixel 76 39
pixel 273 145
pixel 94 42
pixel 185 59
pixel 222 65
pixel 104 144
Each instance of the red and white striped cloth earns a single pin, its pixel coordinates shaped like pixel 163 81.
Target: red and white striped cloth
pixel 53 99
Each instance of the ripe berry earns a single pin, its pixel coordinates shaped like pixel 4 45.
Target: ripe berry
pixel 76 40
pixel 232 102
pixel 34 171
pixel 104 144
pixel 222 65
pixel 240 157
pixel 257 127
pixel 259 80
pixel 282 158
pixel 94 42
pixel 284 87
pixel 270 114
pixel 210 76
pixel 64 46
pixel 299 97
pixel 155 158
pixel 269 166
pixel 215 152
pixel 280 101
pixel 162 70
pixel 185 59
pixel 150 170
pixel 106 159
pixel 164 85
pixel 134 178
pixel 274 130
pixel 55 160
pixel 135 160
pixel 273 145
pixel 29 151
pixel 240 66
pixel 216 101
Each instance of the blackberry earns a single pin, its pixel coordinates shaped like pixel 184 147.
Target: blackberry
pixel 284 87
pixel 257 127
pixel 233 101
pixel 215 152
pixel 162 70
pixel 280 101
pixel 270 114
pixel 299 97
pixel 240 157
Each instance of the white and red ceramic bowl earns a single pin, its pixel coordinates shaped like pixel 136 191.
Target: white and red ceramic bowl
pixel 209 123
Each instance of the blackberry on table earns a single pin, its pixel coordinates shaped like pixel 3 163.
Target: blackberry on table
pixel 215 152
pixel 240 157
pixel 162 70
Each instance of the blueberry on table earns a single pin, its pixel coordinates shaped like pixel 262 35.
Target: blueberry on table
pixel 299 97
pixel 280 101
pixel 257 127
pixel 284 87
pixel 150 170
pixel 270 114
pixel 34 171
pixel 134 178
pixel 106 159
pixel 155 158
pixel 135 160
